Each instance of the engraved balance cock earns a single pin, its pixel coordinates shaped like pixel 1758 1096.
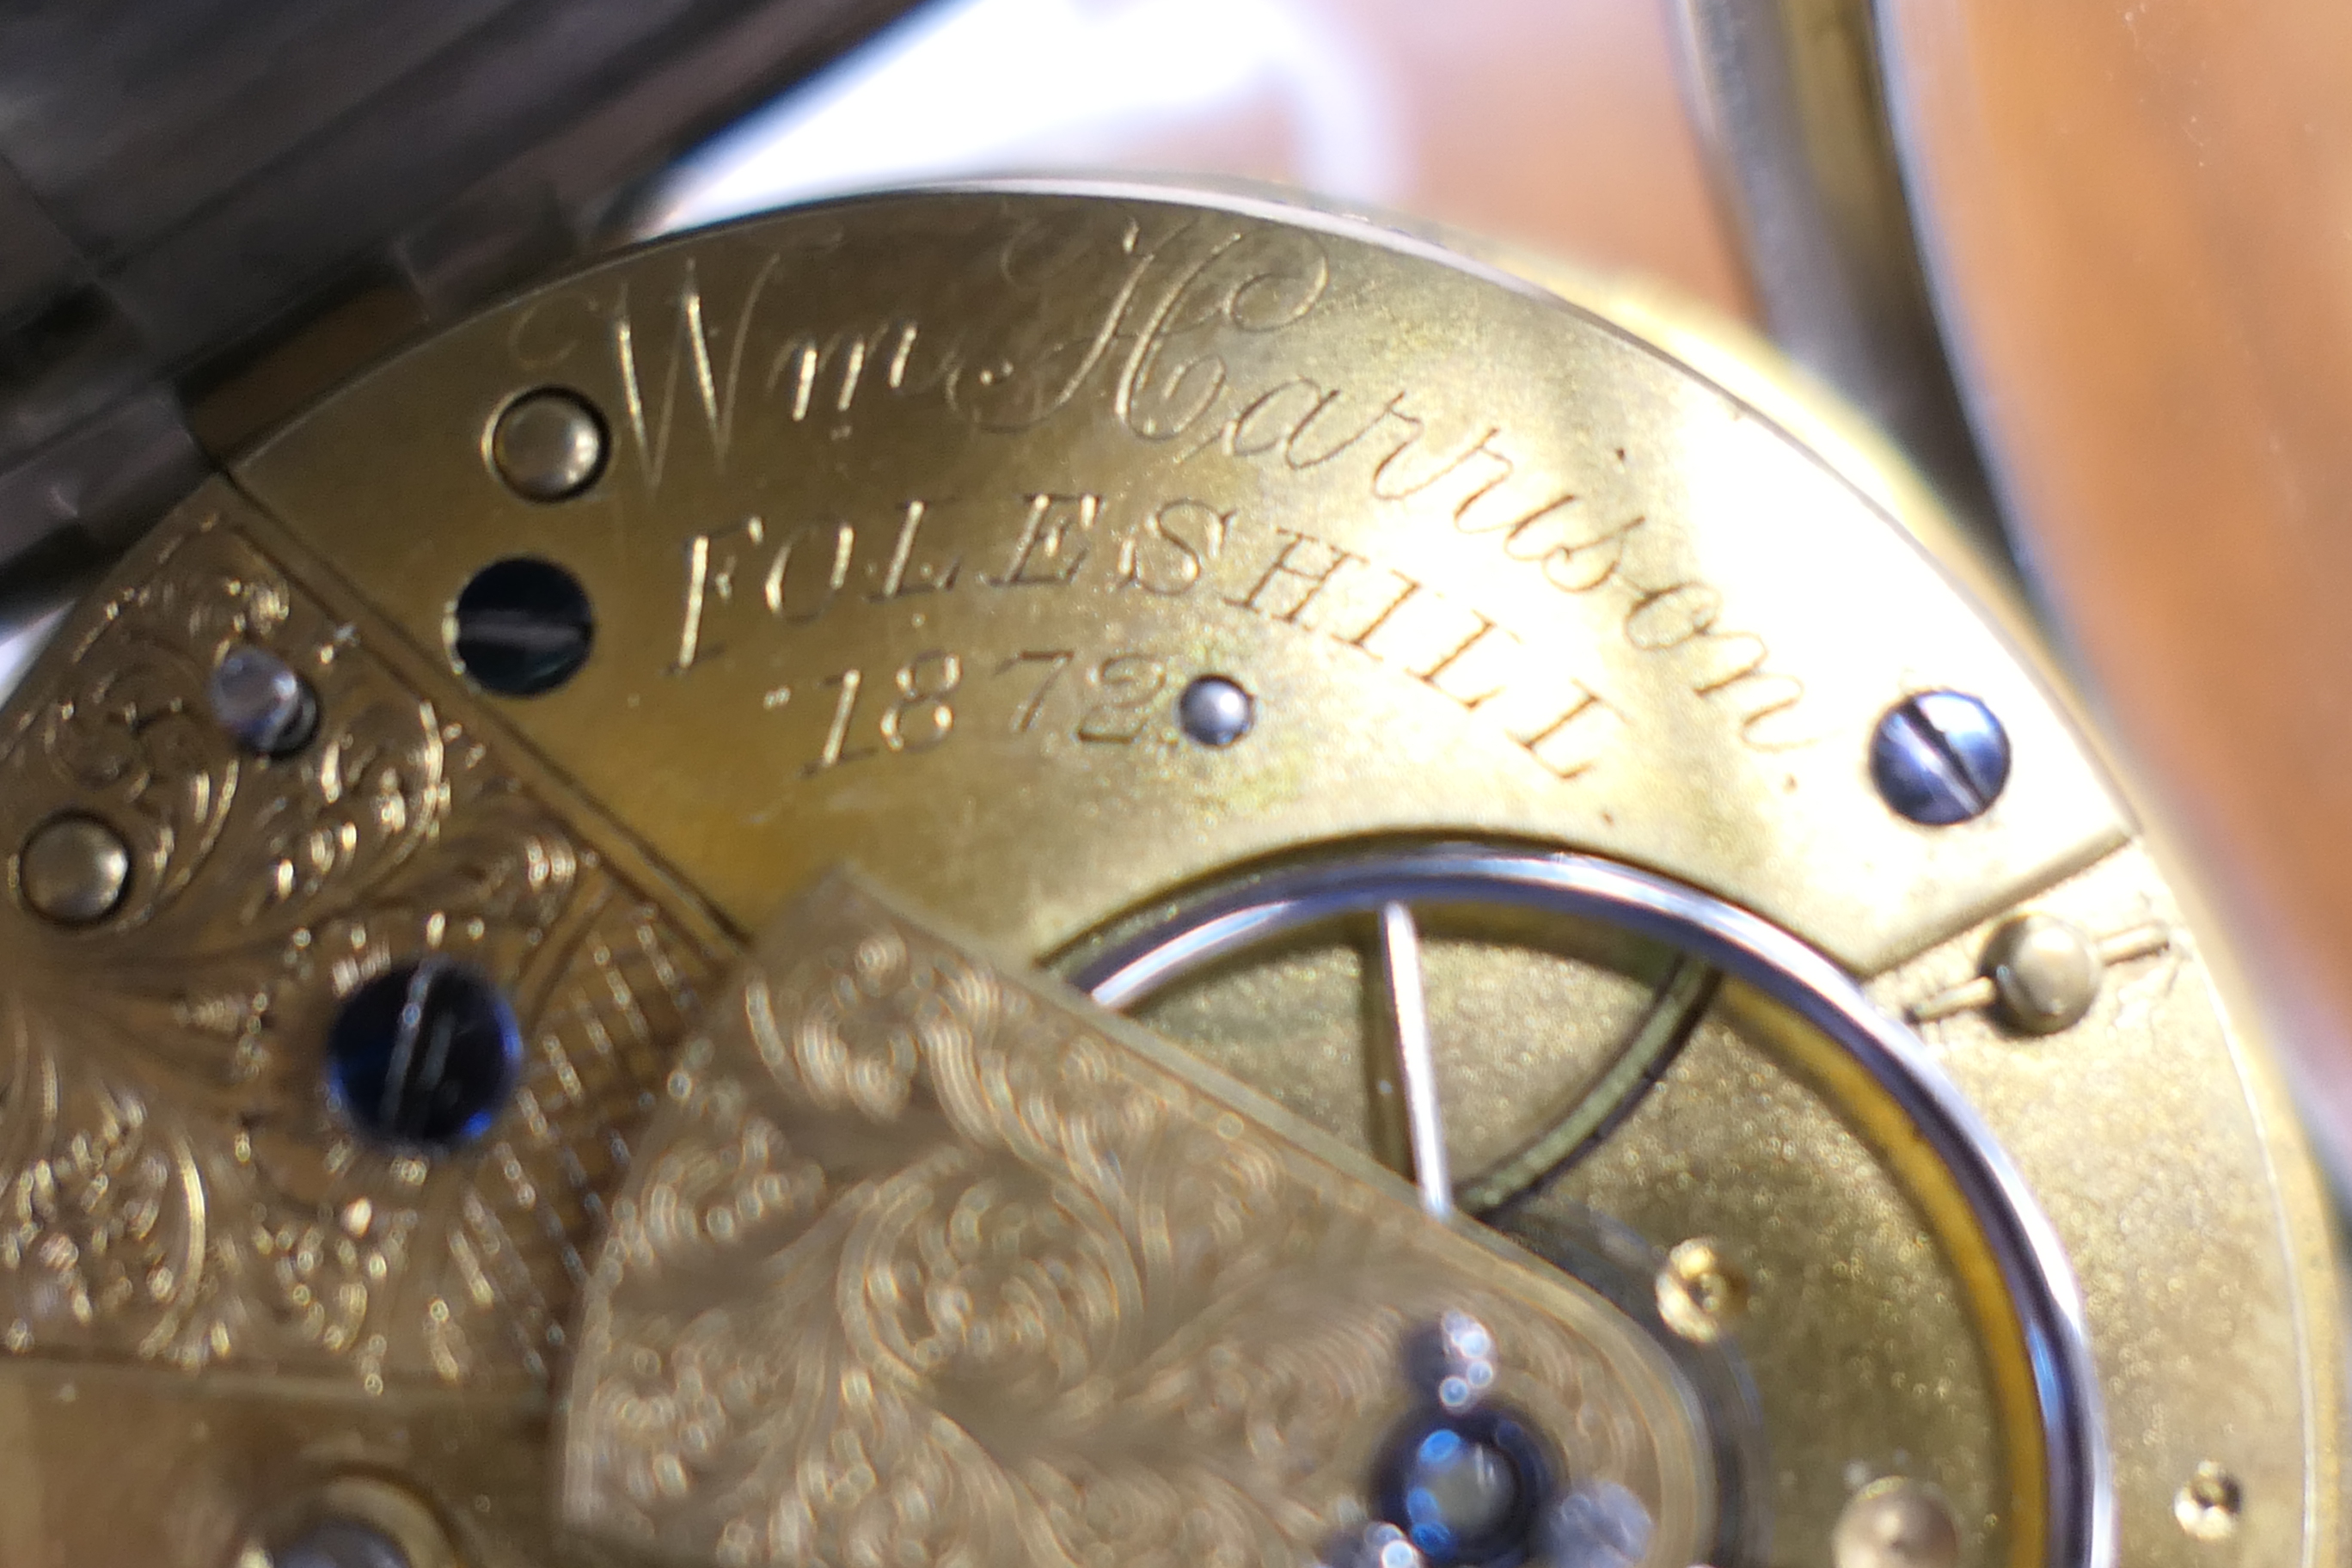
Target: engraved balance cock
pixel 928 1260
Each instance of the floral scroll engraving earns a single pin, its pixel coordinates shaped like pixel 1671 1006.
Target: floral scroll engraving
pixel 174 1186
pixel 922 1263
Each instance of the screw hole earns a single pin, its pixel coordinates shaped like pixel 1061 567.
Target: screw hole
pixel 521 628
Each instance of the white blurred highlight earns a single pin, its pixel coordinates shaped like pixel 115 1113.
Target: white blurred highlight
pixel 19 647
pixel 978 87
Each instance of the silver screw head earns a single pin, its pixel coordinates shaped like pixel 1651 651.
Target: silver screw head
pixel 2045 974
pixel 255 696
pixel 73 870
pixel 548 446
pixel 1939 758
pixel 1895 1522
pixel 1215 711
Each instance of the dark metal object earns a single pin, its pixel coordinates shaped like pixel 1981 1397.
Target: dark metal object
pixel 1216 711
pixel 271 711
pixel 188 188
pixel 424 1055
pixel 1939 758
pixel 522 627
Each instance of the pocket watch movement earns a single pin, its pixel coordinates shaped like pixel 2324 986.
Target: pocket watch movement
pixel 1065 874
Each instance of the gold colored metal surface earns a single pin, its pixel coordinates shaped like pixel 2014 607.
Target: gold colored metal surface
pixel 112 1467
pixel 2197 1271
pixel 923 1260
pixel 178 1190
pixel 1858 1328
pixel 1538 1025
pixel 919 516
pixel 910 493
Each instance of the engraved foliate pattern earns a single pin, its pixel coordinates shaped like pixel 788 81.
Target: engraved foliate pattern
pixel 175 1185
pixel 921 1263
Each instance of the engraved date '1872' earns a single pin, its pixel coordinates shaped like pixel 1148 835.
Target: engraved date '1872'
pixel 1105 702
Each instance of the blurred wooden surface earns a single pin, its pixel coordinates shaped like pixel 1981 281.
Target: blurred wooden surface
pixel 2140 217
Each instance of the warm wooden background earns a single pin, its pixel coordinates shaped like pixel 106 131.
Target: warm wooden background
pixel 2146 210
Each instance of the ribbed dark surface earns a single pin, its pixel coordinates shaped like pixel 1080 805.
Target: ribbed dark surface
pixel 182 181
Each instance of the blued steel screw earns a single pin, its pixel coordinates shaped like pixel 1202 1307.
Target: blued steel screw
pixel 271 711
pixel 1940 757
pixel 521 626
pixel 425 1055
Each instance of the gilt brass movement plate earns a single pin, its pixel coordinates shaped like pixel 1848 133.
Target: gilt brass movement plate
pixel 1459 947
